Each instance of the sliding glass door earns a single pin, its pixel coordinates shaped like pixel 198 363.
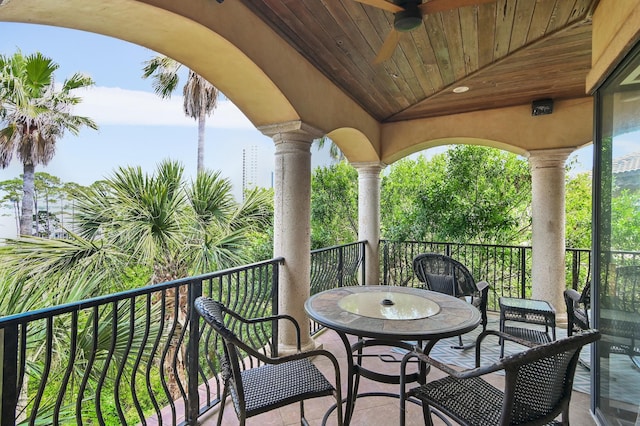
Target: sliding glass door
pixel 616 295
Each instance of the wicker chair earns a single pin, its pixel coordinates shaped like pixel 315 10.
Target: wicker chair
pixel 276 381
pixel 620 314
pixel 537 385
pixel 578 311
pixel 446 275
pixel 578 306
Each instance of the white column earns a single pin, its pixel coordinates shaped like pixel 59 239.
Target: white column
pixel 369 216
pixel 292 223
pixel 548 226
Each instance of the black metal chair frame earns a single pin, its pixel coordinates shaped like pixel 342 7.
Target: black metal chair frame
pixel 623 335
pixel 278 381
pixel 445 274
pixel 537 385
pixel 578 305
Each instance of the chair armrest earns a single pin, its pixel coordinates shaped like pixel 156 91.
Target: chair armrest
pixel 505 336
pixel 252 352
pixel 573 295
pixel 416 353
pixel 307 354
pixel 478 371
pixel 482 285
pixel 269 318
pixel 459 374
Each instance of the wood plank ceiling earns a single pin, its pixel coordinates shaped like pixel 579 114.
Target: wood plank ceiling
pixel 508 52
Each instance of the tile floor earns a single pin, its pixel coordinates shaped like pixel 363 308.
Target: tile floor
pixel 369 411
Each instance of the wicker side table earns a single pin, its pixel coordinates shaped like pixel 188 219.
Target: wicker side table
pixel 530 311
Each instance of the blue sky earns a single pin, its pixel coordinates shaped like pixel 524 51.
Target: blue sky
pixel 137 127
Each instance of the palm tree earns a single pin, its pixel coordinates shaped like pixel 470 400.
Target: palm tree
pixel 12 190
pixel 200 96
pixel 35 114
pixel 159 223
pixel 334 152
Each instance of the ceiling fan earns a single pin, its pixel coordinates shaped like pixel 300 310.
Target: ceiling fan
pixel 408 16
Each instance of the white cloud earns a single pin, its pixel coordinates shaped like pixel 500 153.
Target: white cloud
pixel 116 106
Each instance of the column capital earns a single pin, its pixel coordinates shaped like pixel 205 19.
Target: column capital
pixel 295 129
pixel 548 158
pixel 369 167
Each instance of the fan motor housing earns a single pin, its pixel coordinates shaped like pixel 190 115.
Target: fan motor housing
pixel 408 19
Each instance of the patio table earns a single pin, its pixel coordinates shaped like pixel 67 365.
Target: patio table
pixel 400 317
pixel 530 311
pixel 621 333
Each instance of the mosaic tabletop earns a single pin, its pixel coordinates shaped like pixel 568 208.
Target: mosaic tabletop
pixel 390 311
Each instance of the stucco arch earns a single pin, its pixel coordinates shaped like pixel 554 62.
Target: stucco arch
pixel 513 129
pixel 463 141
pixel 354 144
pixel 147 26
pixel 257 70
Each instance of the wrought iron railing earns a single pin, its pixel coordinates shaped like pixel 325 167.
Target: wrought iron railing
pixel 506 268
pixel 138 356
pixel 135 357
pixel 337 266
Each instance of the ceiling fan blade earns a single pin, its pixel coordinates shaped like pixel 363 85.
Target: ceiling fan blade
pixel 388 46
pixel 382 4
pixel 435 6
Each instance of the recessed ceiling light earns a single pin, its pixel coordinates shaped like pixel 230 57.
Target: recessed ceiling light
pixel 460 89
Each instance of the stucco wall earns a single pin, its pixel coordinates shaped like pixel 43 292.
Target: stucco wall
pixel 616 29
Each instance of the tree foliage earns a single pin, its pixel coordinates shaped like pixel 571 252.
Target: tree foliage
pixel 578 211
pixel 158 222
pixel 134 229
pixel 468 194
pixel 625 220
pixel 11 191
pixel 35 113
pixel 334 151
pixel 334 205
pixel 400 186
pixel 53 203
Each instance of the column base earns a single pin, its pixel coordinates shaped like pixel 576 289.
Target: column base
pixel 284 350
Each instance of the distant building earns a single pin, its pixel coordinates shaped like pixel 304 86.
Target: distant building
pixel 626 171
pixel 249 168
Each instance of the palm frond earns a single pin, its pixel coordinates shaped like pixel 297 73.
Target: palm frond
pixel 211 197
pixel 219 248
pixel 37 113
pixel 146 210
pixel 77 81
pixel 199 95
pixel 56 261
pixel 164 71
pixel 256 210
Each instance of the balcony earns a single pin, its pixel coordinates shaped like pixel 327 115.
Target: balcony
pixel 139 356
pixel 383 411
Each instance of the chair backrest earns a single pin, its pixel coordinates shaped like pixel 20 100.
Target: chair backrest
pixel 585 296
pixel 213 313
pixel 627 290
pixel 539 380
pixel 444 274
pixel 578 305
